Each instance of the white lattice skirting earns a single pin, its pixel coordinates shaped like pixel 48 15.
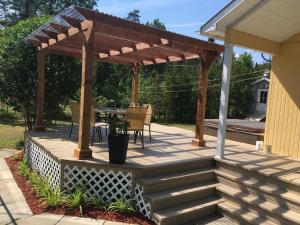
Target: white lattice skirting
pixel 105 183
pixel 142 206
pixel 108 185
pixel 46 165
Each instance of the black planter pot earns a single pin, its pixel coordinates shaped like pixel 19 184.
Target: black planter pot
pixel 117 146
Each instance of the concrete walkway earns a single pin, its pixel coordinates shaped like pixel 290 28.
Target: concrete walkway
pixel 15 211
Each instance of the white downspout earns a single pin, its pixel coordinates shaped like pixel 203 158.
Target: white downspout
pixel 228 54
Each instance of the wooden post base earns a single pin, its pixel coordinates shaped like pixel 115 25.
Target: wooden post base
pixel 198 142
pixel 83 153
pixel 39 128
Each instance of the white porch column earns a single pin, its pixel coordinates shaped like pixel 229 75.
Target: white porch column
pixel 224 100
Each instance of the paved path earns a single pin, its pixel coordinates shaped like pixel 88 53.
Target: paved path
pixel 15 211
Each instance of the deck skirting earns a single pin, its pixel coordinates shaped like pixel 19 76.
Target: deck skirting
pixel 44 163
pixel 107 183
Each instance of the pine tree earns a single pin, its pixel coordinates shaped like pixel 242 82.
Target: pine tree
pixel 134 16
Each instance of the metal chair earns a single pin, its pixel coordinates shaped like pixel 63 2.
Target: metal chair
pixel 136 118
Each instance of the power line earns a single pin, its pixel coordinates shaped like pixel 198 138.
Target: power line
pixel 178 85
pixel 194 89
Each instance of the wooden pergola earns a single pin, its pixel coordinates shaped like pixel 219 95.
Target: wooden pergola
pixel 92 35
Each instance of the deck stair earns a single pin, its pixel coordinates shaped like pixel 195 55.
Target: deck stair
pixel 253 198
pixel 181 193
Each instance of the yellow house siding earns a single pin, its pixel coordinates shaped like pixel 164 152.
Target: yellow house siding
pixel 283 115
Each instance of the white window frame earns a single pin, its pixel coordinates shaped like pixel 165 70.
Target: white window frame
pixel 259 95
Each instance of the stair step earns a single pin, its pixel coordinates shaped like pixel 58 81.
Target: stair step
pixel 244 215
pixel 187 212
pixel 258 185
pixel 272 208
pixel 181 195
pixel 176 167
pixel 167 181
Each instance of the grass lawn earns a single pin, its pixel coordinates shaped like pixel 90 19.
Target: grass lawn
pixel 188 126
pixel 10 134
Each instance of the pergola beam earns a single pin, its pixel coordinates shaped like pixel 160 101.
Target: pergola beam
pixel 129 26
pixel 75 22
pixel 51 34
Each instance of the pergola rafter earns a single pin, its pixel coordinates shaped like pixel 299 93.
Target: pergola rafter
pixel 92 35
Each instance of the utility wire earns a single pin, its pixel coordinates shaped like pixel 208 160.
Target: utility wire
pixel 178 85
pixel 194 89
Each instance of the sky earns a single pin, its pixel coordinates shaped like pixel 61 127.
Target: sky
pixel 180 16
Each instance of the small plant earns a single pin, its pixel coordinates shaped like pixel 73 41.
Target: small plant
pixel 24 169
pixel 41 186
pixel 121 206
pixel 20 144
pixel 117 126
pixel 34 178
pixel 93 201
pixel 77 198
pixel 54 197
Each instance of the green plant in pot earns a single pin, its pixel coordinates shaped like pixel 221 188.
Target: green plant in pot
pixel 118 140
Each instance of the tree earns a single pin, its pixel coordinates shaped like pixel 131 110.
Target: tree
pixel 53 7
pixel 4 10
pixel 134 16
pixel 157 24
pixel 18 72
pixel 13 11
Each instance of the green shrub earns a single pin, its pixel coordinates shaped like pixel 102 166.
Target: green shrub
pixel 9 115
pixel 93 201
pixel 77 198
pixel 24 169
pixel 20 144
pixel 53 197
pixel 121 206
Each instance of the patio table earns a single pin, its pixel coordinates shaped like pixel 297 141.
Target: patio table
pixel 111 111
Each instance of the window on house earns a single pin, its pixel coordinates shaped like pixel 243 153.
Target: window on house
pixel 263 97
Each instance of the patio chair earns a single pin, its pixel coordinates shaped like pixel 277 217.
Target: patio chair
pixel 148 118
pixel 75 110
pixel 136 118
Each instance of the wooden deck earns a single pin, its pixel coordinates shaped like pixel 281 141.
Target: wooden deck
pixel 172 145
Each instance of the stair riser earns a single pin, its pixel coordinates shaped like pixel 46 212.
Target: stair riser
pixel 175 168
pixel 262 195
pixel 186 218
pixel 256 210
pixel 236 170
pixel 181 199
pixel 174 183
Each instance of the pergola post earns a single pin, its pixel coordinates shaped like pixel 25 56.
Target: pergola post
pixel 224 100
pixel 201 104
pixel 40 94
pixel 135 83
pixel 83 151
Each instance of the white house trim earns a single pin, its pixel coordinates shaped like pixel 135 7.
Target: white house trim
pixel 228 54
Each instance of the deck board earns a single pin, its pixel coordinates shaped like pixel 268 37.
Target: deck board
pixel 170 145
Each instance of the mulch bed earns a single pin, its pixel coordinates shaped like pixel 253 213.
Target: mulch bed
pixel 37 206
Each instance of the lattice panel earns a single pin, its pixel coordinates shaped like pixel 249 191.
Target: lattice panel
pixel 108 185
pixel 43 163
pixel 142 206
